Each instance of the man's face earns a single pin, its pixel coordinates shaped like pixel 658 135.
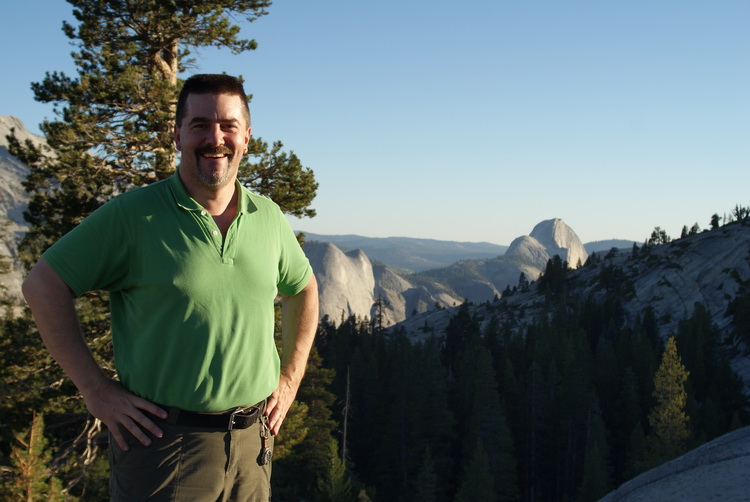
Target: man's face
pixel 212 138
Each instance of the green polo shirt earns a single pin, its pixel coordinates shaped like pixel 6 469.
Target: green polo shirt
pixel 192 312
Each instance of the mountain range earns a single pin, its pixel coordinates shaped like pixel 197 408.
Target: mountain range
pixel 408 254
pixel 352 284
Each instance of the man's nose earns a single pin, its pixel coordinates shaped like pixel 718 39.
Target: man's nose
pixel 215 136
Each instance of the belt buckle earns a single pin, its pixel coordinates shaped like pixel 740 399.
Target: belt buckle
pixel 237 411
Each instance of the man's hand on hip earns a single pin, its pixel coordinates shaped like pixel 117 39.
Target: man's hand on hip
pixel 299 321
pixel 279 403
pixel 121 412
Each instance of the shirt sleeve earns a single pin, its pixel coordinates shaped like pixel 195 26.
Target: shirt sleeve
pixel 294 267
pixel 93 255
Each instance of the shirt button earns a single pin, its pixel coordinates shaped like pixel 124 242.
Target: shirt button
pixel 215 232
pixel 203 213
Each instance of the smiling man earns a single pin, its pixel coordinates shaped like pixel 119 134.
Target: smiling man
pixel 193 265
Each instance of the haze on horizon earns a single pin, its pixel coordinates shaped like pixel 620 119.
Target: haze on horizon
pixel 475 122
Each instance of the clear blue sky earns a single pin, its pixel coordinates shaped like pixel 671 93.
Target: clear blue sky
pixel 473 121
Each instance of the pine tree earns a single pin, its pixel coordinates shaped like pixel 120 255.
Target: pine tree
pixel 396 454
pixel 596 478
pixel 426 483
pixel 552 282
pixel 699 341
pixel 462 330
pixel 477 483
pixel 523 282
pixel 309 460
pixel 115 118
pixel 533 429
pixel 636 453
pixel 476 394
pixel 294 431
pixel 30 459
pixel 625 417
pixel 667 419
pixel 432 422
pixel 367 412
pixel 659 236
pixel 333 483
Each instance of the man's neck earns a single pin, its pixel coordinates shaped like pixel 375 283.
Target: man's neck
pixel 223 213
pixel 220 202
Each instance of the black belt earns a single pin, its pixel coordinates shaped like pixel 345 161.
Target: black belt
pixel 237 418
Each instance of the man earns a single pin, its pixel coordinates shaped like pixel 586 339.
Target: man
pixel 193 264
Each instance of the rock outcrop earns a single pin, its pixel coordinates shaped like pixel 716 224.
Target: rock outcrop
pixel 350 285
pixel 484 280
pixel 717 470
pixel 13 202
pixel 346 283
pixel 547 239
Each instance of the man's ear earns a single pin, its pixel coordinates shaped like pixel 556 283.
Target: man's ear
pixel 247 137
pixel 176 135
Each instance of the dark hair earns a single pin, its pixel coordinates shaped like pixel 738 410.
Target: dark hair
pixel 211 84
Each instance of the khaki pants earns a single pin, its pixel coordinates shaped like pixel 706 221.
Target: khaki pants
pixel 191 464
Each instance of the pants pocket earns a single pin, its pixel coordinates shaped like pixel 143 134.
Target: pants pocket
pixel 145 471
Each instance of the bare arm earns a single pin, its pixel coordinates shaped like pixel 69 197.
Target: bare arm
pixel 299 322
pixel 53 306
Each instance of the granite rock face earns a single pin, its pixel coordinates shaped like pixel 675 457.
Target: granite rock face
pixel 13 202
pixel 350 284
pixel 547 239
pixel 346 283
pixel 717 470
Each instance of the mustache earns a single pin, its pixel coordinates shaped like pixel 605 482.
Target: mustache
pixel 214 150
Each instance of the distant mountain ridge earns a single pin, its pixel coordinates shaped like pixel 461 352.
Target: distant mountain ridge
pixel 411 254
pixel 607 245
pixel 351 284
pixel 408 254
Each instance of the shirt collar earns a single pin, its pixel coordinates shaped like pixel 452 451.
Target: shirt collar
pixel 184 200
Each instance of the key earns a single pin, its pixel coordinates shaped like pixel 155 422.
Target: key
pixel 264 457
